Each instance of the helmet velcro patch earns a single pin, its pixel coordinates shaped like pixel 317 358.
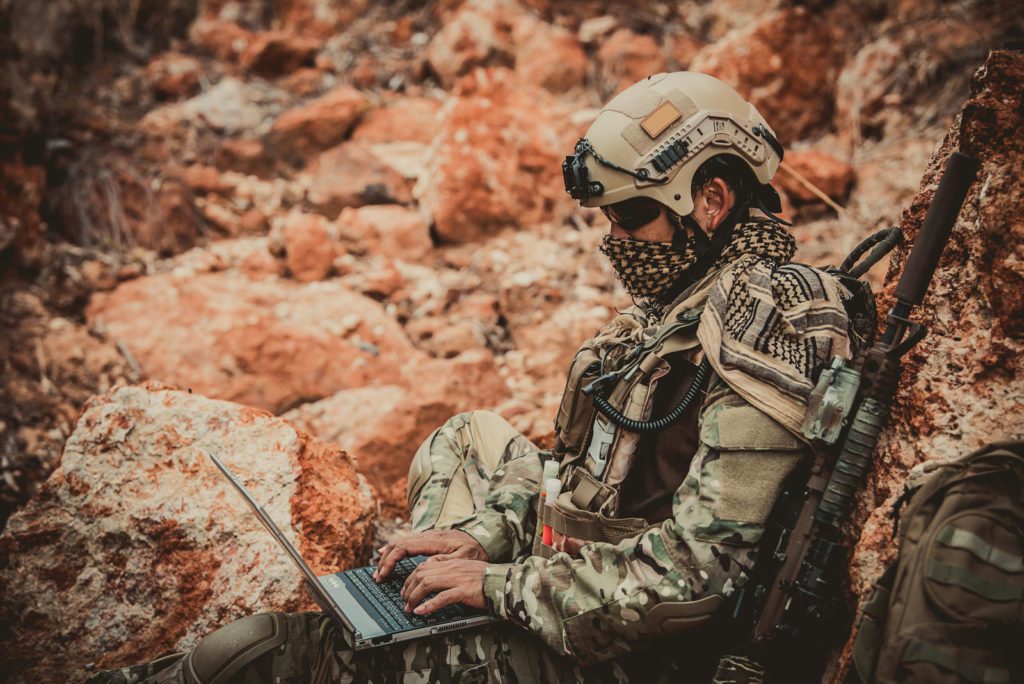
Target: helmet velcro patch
pixel 655 123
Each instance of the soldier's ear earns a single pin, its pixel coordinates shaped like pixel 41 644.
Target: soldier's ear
pixel 718 199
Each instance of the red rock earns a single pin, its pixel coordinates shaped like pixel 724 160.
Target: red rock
pixel 230 107
pixel 168 227
pixel 226 40
pixel 304 82
pixel 791 82
pixel 412 119
pixel 468 381
pixel 139 531
pixel 319 124
pixel 351 175
pixel 383 282
pixel 366 72
pixel 551 57
pixel 388 229
pixel 173 75
pixel 961 384
pixel 275 53
pixel 260 264
pixel 496 162
pixel 627 57
pixel 382 426
pixel 446 337
pixel 832 176
pixel 246 155
pixel 317 18
pixel 478 34
pixel 272 343
pixel 683 48
pixel 253 222
pixel 205 179
pixel 309 249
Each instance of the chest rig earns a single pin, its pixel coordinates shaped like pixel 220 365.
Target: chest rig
pixel 605 410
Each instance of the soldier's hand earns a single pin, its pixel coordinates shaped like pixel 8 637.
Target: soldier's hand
pixel 453 581
pixel 446 544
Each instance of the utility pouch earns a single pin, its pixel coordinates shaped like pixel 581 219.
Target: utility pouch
pixel 576 411
pixel 582 512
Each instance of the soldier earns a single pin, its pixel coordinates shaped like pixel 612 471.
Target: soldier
pixel 678 427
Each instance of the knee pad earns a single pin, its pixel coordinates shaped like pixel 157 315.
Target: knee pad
pixel 224 653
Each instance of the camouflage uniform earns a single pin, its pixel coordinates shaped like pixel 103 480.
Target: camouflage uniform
pixel 565 618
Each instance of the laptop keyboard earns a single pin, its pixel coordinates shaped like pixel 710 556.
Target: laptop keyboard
pixel 388 602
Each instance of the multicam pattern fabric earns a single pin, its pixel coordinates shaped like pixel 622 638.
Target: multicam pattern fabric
pixel 648 270
pixel 598 606
pixel 565 619
pixel 588 618
pixel 452 452
pixel 770 326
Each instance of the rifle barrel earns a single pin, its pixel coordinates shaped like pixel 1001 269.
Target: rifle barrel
pixel 938 224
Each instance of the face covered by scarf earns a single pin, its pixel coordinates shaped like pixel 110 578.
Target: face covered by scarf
pixel 648 270
pixel 651 271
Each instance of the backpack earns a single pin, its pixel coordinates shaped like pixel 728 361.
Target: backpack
pixel 951 608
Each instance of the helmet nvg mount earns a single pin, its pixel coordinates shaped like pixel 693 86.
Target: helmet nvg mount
pixel 652 137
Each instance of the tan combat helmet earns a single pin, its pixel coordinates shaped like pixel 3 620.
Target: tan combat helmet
pixel 652 137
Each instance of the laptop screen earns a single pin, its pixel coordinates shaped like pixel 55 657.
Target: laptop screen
pixel 268 523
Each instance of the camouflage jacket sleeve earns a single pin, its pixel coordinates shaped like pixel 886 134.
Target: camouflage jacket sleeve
pixel 597 606
pixel 506 524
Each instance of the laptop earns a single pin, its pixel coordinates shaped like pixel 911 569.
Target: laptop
pixel 369 614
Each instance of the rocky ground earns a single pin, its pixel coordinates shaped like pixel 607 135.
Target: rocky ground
pixel 350 215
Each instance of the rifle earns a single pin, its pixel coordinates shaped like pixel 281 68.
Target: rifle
pixel 794 595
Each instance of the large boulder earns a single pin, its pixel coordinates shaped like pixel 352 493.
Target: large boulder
pixel 387 229
pixel 138 545
pixel 549 56
pixel 402 119
pixel 961 385
pixel 352 175
pixel 383 426
pixel 318 124
pixel 496 159
pixel 478 33
pixel 231 106
pixel 269 343
pixel 277 52
pixel 309 248
pixel 790 80
pixel 627 57
pixel 826 172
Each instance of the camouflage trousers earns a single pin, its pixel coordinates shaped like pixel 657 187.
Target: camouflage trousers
pixel 449 478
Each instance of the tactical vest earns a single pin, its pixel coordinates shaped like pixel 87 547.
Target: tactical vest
pixel 596 453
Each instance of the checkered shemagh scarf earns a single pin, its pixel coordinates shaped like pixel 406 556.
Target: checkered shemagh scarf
pixel 769 325
pixel 650 270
